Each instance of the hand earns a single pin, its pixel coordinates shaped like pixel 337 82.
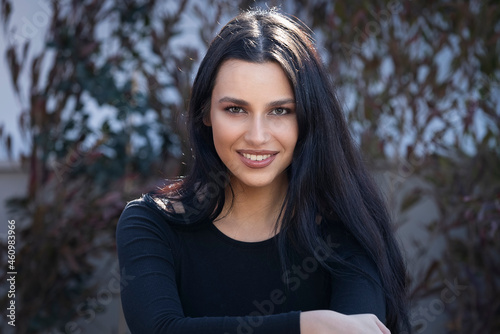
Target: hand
pixel 330 322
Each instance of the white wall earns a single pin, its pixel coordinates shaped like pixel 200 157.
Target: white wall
pixel 14 182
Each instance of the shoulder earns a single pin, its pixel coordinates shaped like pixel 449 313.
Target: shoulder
pixel 154 206
pixel 350 254
pixel 153 213
pixel 143 218
pixel 143 207
pixel 338 237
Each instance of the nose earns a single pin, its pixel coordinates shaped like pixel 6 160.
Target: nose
pixel 257 132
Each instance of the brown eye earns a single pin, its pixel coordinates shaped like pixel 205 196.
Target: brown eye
pixel 234 110
pixel 280 111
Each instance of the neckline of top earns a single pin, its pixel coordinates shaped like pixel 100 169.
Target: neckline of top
pixel 239 243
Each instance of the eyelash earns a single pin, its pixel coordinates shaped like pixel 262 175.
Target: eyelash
pixel 231 110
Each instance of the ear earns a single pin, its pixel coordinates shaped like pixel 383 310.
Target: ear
pixel 206 119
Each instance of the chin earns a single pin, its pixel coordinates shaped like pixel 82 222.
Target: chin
pixel 253 182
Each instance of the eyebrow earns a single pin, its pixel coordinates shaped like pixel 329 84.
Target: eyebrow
pixel 245 103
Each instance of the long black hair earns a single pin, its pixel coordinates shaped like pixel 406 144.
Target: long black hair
pixel 327 177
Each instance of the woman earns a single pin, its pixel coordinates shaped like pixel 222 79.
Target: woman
pixel 278 227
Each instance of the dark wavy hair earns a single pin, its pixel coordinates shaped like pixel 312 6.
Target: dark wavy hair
pixel 327 177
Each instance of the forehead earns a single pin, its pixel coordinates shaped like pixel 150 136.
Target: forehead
pixel 242 78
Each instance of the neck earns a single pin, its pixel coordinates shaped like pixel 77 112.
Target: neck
pixel 254 212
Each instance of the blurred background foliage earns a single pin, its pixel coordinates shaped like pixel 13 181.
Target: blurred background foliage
pixel 104 113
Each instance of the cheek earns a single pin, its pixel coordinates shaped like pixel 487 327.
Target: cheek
pixel 288 134
pixel 224 135
pixel 225 138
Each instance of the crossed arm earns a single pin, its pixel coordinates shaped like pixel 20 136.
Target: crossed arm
pixel 151 303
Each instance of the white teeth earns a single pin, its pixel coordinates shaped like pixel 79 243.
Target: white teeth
pixel 254 157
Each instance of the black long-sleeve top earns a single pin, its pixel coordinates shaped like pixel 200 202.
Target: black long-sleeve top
pixel 198 280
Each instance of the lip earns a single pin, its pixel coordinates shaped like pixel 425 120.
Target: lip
pixel 257 152
pixel 257 164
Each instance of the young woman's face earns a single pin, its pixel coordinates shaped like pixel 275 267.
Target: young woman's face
pixel 253 121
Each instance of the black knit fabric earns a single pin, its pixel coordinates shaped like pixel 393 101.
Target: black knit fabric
pixel 198 280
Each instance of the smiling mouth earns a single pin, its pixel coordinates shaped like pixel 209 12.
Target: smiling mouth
pixel 256 157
